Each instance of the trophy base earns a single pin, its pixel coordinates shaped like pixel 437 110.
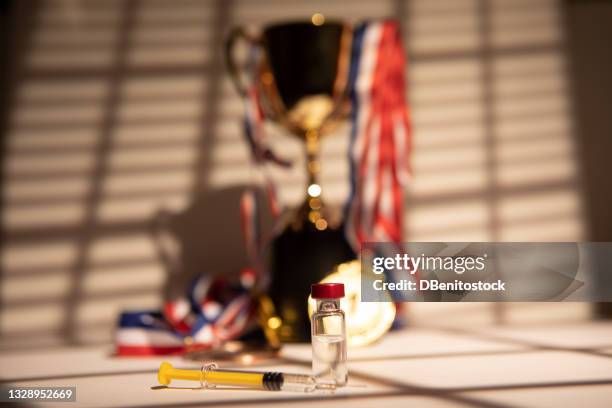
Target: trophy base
pixel 300 257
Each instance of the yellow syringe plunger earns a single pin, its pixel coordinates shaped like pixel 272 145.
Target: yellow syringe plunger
pixel 167 373
pixel 211 376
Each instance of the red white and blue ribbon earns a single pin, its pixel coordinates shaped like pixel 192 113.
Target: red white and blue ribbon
pixel 255 135
pixel 213 312
pixel 250 208
pixel 250 222
pixel 254 130
pixel 380 136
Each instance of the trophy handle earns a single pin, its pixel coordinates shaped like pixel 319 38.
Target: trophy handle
pixel 238 33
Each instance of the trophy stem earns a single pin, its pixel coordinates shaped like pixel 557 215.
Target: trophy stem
pixel 313 167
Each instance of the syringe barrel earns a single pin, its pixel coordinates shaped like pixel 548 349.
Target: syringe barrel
pixel 268 380
pixel 298 382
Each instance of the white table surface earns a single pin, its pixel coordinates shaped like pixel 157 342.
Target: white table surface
pixel 540 366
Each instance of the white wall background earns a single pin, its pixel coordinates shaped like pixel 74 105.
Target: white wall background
pixel 124 108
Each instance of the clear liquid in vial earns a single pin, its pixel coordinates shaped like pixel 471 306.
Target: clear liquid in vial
pixel 329 359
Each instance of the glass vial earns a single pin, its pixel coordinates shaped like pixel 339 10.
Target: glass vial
pixel 328 331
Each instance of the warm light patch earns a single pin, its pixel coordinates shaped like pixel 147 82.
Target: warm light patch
pixel 318 19
pixel 314 190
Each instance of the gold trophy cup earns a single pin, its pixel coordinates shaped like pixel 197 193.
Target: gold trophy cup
pixel 301 77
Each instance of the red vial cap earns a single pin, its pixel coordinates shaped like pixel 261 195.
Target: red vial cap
pixel 327 290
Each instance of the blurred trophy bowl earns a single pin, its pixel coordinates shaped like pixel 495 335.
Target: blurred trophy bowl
pixel 300 78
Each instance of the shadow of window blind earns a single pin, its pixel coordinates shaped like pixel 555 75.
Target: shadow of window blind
pixel 124 108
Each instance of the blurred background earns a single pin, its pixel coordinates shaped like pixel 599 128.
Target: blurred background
pixel 118 113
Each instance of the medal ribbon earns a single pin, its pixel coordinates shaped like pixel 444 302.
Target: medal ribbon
pixel 380 137
pixel 213 312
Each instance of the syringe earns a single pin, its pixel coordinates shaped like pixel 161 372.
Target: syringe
pixel 210 376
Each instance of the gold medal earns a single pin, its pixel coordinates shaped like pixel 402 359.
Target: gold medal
pixel 366 322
